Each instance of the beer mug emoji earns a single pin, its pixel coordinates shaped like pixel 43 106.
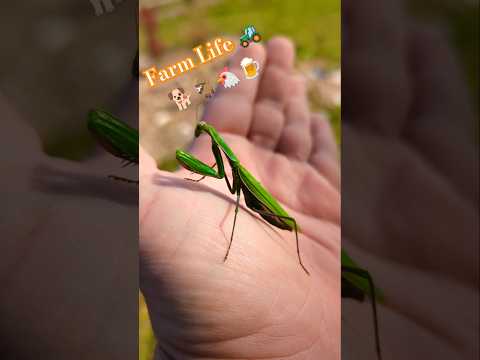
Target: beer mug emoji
pixel 250 68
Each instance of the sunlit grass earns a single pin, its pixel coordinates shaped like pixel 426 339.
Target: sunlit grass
pixel 314 26
pixel 146 340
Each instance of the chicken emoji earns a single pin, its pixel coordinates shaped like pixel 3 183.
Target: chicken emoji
pixel 227 78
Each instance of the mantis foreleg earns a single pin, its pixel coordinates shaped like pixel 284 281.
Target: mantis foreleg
pixel 191 163
pixel 234 222
pixel 203 177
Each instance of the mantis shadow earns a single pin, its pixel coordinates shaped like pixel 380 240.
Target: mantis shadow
pixel 176 182
pixel 57 181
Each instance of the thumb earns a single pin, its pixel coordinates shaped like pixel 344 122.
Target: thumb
pixel 147 163
pixel 147 168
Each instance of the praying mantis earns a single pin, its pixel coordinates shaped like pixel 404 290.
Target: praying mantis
pixel 256 196
pixel 122 141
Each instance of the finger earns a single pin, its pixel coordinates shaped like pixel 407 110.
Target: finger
pixel 323 137
pixel 280 55
pixel 364 32
pixel 268 118
pixel 296 140
pixel 281 52
pixel 442 121
pixel 230 110
pixel 438 81
pixel 376 88
pixel 324 156
pixel 267 125
pixel 146 168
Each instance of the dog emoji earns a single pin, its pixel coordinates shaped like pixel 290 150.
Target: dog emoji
pixel 180 98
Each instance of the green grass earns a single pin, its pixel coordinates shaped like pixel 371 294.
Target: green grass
pixel 314 26
pixel 169 165
pixel 335 120
pixel 146 340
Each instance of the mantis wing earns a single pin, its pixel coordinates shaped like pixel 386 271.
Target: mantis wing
pixel 114 135
pixel 258 198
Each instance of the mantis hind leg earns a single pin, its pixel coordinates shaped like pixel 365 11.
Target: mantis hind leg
pixel 298 247
pixel 295 227
pixel 364 274
pixel 296 238
pixel 234 222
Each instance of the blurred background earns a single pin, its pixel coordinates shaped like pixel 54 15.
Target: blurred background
pixel 170 29
pixel 69 60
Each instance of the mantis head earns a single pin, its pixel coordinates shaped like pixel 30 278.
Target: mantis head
pixel 199 128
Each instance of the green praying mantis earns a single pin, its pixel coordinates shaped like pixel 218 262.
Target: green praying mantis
pixel 122 141
pixel 257 198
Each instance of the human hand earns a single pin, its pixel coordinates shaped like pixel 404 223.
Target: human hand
pixel 259 303
pixel 410 186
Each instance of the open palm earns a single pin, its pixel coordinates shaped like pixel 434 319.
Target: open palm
pixel 259 303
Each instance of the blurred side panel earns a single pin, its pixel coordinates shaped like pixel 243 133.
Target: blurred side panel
pixel 410 175
pixel 69 234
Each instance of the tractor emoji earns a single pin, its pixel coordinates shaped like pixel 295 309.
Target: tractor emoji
pixel 249 36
